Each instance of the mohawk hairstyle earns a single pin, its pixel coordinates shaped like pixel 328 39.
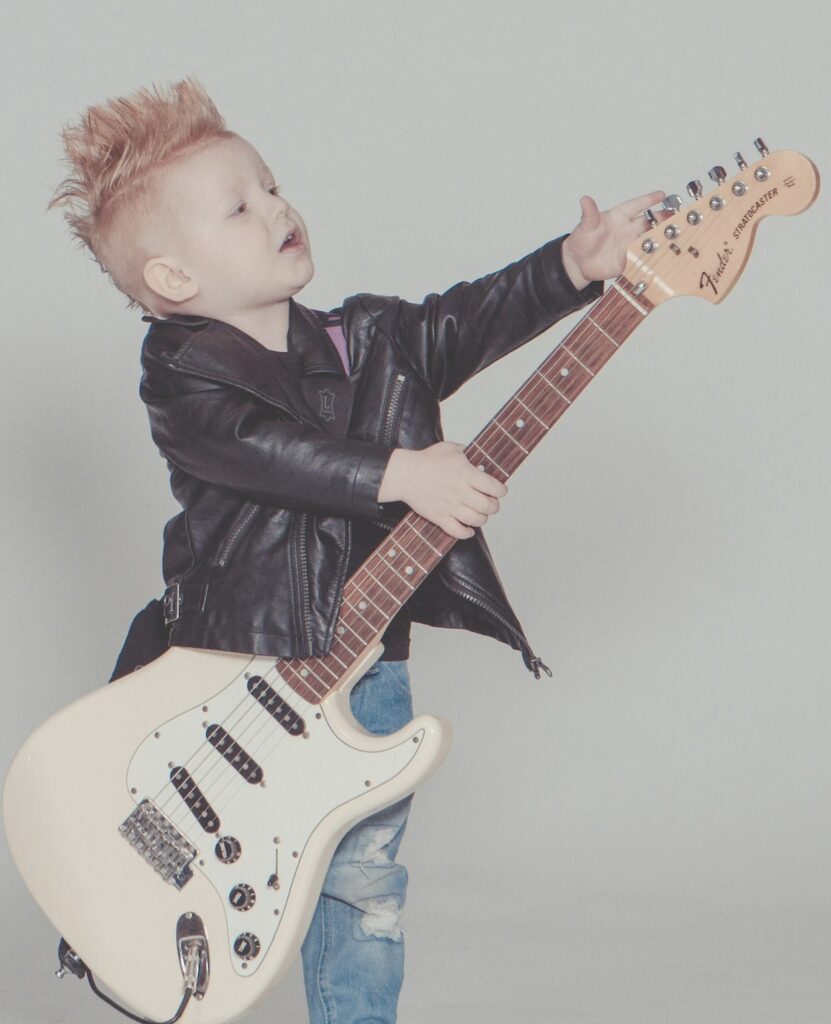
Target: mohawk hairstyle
pixel 113 151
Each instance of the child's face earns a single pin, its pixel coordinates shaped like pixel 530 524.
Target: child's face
pixel 241 244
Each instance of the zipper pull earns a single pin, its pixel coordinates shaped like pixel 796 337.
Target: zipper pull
pixel 537 664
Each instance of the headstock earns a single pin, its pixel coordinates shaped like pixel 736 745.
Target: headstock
pixel 701 249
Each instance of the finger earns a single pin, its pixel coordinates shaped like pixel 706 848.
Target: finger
pixel 483 503
pixel 456 529
pixel 487 484
pixel 633 208
pixel 470 517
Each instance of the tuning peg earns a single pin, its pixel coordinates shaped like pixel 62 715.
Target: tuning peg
pixel 740 160
pixel 672 204
pixel 695 189
pixel 718 174
pixel 649 216
pixel 760 145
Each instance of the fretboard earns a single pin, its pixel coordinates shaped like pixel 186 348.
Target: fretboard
pixel 388 577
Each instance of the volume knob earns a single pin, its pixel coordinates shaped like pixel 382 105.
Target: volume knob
pixel 228 849
pixel 247 946
pixel 242 896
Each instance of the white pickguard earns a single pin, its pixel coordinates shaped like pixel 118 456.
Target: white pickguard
pixel 305 777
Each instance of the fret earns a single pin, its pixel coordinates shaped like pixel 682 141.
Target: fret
pixel 441 554
pixel 392 553
pixel 510 437
pixel 399 577
pixel 388 565
pixel 371 578
pixel 602 331
pixel 593 348
pixel 555 388
pixel 488 464
pixel 528 409
pixel 629 299
pixel 547 404
pixel 367 597
pixel 359 609
pixel 517 418
pixel 578 360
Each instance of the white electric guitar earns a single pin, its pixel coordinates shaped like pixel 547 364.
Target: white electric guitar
pixel 176 825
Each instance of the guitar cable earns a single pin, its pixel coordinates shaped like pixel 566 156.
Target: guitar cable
pixel 70 961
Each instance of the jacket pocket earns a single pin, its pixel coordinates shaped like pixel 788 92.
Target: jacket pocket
pixel 241 522
pixel 393 406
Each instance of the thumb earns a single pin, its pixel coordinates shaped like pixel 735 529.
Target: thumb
pixel 589 211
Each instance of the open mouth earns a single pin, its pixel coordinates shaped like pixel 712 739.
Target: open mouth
pixel 292 240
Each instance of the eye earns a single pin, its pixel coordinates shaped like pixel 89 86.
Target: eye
pixel 274 190
pixel 239 208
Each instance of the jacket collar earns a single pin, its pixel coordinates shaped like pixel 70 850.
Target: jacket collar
pixel 215 349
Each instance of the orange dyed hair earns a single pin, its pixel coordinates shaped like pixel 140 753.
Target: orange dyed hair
pixel 114 152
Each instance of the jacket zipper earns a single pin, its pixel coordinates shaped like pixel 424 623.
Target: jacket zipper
pixel 390 418
pixel 535 663
pixel 306 589
pixel 243 520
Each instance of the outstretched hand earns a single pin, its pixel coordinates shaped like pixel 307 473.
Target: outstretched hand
pixel 596 249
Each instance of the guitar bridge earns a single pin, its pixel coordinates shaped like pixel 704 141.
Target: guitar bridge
pixel 160 843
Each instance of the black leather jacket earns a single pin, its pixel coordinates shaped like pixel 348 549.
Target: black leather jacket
pixel 256 561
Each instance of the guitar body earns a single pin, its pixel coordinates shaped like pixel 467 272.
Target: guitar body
pixel 263 824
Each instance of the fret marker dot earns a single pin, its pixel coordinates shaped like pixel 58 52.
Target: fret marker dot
pixel 409 570
pixel 564 372
pixel 481 467
pixel 304 672
pixel 392 553
pixel 520 423
pixel 341 629
pixel 362 605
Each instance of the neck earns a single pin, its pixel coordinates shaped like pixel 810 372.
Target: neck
pixel 269 325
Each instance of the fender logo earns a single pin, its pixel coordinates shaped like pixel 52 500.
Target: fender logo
pixel 711 280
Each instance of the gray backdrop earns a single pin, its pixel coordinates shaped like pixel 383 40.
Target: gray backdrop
pixel 643 839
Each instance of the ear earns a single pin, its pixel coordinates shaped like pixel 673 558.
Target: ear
pixel 166 279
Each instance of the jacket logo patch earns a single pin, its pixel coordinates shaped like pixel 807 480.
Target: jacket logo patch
pixel 327 404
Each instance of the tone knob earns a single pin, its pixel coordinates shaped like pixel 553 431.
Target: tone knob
pixel 228 849
pixel 247 946
pixel 718 174
pixel 242 896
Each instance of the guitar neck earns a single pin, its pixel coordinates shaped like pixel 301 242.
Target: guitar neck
pixel 389 576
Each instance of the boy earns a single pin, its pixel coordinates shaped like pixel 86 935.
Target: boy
pixel 294 438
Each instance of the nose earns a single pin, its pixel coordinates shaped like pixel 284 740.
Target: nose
pixel 280 207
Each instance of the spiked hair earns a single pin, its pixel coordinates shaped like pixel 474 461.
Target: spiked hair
pixel 114 151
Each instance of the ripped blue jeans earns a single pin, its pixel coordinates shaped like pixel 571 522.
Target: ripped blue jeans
pixel 353 953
